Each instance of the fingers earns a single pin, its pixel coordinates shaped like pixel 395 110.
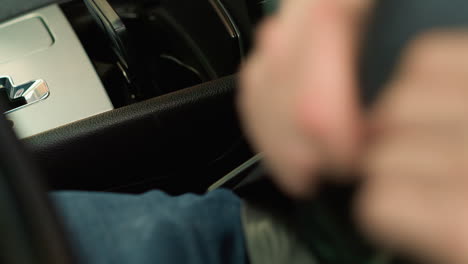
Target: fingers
pixel 430 85
pixel 328 107
pixel 298 90
pixel 414 199
pixel 415 195
pixel 269 84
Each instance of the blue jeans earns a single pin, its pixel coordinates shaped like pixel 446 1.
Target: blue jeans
pixel 154 227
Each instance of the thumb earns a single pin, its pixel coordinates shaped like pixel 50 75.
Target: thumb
pixel 328 106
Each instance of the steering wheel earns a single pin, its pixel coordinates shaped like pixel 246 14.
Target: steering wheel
pixel 31 232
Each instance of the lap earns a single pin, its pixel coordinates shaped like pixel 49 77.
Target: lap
pixel 154 227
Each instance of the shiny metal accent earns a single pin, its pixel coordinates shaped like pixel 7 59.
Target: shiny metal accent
pixel 32 92
pixel 76 91
pixel 120 42
pixel 181 64
pixel 110 22
pixel 225 18
pixel 236 172
pixel 229 23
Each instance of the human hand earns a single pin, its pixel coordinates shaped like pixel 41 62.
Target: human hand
pixel 299 107
pixel 414 197
pixel 298 98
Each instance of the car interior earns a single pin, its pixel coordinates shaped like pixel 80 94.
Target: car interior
pixel 124 110
pixel 129 96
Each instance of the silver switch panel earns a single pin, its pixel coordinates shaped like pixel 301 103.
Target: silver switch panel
pixel 42 45
pixel 20 96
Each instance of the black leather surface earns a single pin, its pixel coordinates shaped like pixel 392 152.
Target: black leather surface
pixel 178 132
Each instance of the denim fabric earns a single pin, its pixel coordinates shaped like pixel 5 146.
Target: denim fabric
pixel 154 227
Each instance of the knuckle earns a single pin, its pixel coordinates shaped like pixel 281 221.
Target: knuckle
pixel 437 51
pixel 400 106
pixel 423 53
